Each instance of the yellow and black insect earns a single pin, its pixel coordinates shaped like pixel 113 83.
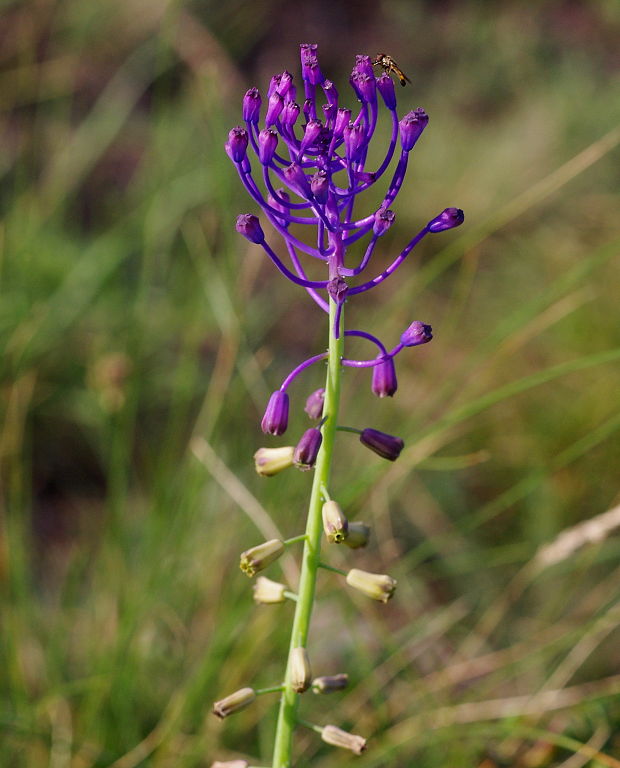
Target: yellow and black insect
pixel 391 67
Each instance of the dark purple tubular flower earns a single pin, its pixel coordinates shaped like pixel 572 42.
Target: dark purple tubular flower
pixel 275 420
pixel 448 219
pixel 384 383
pixel 386 446
pixel 314 404
pixel 312 171
pixel 417 333
pixel 307 449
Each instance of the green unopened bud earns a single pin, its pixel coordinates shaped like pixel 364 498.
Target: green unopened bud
pixel 376 585
pixel 230 764
pixel 233 703
pixel 335 524
pixel 330 683
pixel 267 591
pixel 270 461
pixel 339 738
pixel 357 535
pixel 301 674
pixel 259 557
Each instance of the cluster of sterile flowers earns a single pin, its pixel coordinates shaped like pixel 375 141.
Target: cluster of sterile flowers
pixel 311 168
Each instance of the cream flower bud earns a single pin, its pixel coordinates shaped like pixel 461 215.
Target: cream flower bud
pixel 259 557
pixel 230 764
pixel 330 683
pixel 335 524
pixel 375 585
pixel 339 738
pixel 357 535
pixel 267 591
pixel 233 703
pixel 301 674
pixel 270 461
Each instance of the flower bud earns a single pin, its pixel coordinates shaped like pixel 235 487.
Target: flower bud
pixel 357 535
pixel 233 703
pixel 417 333
pixel 297 179
pixel 330 683
pixel 275 420
pixel 319 184
pixel 364 86
pixel 311 134
pixel 338 289
pixel 251 105
pixel 275 105
pixel 335 524
pixel 230 764
pixel 375 585
pixel 237 144
pixel 301 674
pixel 249 226
pixel 310 69
pixel 286 81
pixel 384 218
pixel 329 110
pixel 354 140
pixel 343 118
pixel 386 446
pixel 307 449
pixel 363 65
pixel 385 85
pixel 331 93
pixel 339 738
pixel 384 383
pixel 448 219
pixel 314 404
pixel 290 113
pixel 270 461
pixel 267 143
pixel 411 127
pixel 267 592
pixel 282 193
pixel 259 557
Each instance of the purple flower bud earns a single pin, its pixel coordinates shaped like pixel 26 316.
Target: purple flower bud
pixel 311 71
pixel 417 333
pixel 249 226
pixel 251 105
pixel 343 118
pixel 275 420
pixel 365 177
pixel 363 64
pixel 289 113
pixel 284 221
pixel 329 110
pixel 306 50
pixel 386 446
pixel 276 103
pixel 337 289
pixel 448 219
pixel 331 94
pixel 411 127
pixel 267 143
pixel 307 109
pixel 311 134
pixel 297 179
pixel 307 449
pixel 286 81
pixel 385 84
pixel 354 140
pixel 384 219
pixel 364 86
pixel 273 86
pixel 237 144
pixel 384 382
pixel 314 404
pixel 319 184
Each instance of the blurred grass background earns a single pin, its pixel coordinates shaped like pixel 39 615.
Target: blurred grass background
pixel 141 337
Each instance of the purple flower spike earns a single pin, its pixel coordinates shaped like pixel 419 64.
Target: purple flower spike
pixel 307 449
pixel 251 105
pixel 275 420
pixel 276 104
pixel 385 85
pixel 314 404
pixel 383 221
pixel 411 127
pixel 267 143
pixel 249 226
pixel 448 219
pixel 384 383
pixel 384 445
pixel 237 144
pixel 417 333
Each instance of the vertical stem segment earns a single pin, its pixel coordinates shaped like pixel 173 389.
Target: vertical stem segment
pixel 287 717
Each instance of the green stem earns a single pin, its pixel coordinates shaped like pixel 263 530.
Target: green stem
pixel 331 568
pixel 287 717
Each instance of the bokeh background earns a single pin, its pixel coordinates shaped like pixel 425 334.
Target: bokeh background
pixel 141 337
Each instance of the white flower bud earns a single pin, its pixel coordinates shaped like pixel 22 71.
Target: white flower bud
pixel 233 703
pixel 339 738
pixel 267 591
pixel 375 585
pixel 259 557
pixel 270 461
pixel 335 524
pixel 301 674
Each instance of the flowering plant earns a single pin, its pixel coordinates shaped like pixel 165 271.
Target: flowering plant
pixel 324 171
